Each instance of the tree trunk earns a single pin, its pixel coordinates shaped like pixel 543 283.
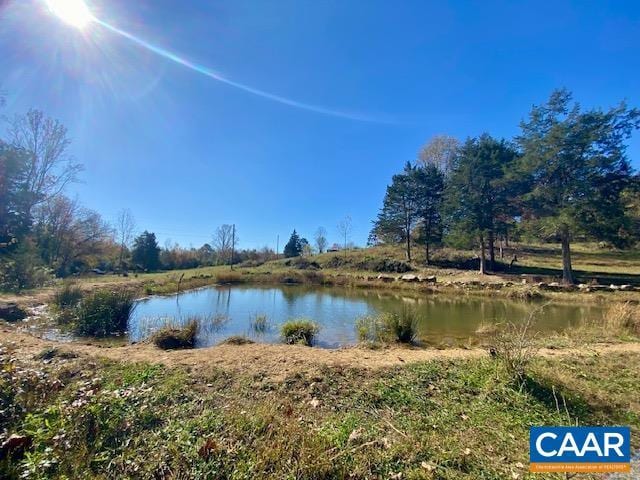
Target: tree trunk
pixel 492 251
pixel 426 252
pixel 567 272
pixel 408 247
pixel 483 266
pixel 506 236
pixel 501 248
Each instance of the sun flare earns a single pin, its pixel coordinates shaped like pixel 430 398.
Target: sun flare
pixel 73 12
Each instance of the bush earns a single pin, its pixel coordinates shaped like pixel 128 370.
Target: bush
pixel 171 337
pixel 299 332
pixel 103 313
pixel 67 296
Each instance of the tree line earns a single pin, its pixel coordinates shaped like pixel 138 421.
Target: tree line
pixel 565 176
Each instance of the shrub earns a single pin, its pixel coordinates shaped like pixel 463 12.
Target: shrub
pixel 299 331
pixel 171 337
pixel 236 340
pixel 67 296
pixel 103 313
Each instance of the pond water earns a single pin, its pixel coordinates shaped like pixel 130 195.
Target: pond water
pixel 443 319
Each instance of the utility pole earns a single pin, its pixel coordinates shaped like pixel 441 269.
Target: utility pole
pixel 277 246
pixel 233 243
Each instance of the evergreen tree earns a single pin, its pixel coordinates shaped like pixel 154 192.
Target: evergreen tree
pixel 293 248
pixel 477 193
pixel 400 210
pixel 429 189
pixel 575 168
pixel 146 252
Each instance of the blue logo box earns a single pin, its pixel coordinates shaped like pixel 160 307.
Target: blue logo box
pixel 580 449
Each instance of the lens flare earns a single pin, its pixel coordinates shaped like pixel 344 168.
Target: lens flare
pixel 73 12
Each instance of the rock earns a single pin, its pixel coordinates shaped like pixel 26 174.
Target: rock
pixel 409 278
pixel 11 312
pixel 386 278
pixel 625 288
pixel 614 287
pixel 429 279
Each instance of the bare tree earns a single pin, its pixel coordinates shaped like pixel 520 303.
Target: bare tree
pixel 321 239
pixel 125 225
pixel 224 241
pixel 50 167
pixel 439 151
pixel 344 230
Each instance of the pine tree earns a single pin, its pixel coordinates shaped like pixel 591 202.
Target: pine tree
pixel 399 212
pixel 429 189
pixel 575 168
pixel 478 193
pixel 293 248
pixel 146 252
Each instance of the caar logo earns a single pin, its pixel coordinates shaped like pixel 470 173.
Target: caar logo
pixel 580 449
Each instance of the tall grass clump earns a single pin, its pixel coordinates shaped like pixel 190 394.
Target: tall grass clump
pixel 173 337
pixel 260 324
pixel 299 331
pixel 67 296
pixel 622 317
pixel 229 277
pixel 387 327
pixel 103 312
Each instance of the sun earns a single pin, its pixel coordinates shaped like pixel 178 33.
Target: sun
pixel 73 12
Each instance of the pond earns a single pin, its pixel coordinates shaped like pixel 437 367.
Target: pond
pixel 443 319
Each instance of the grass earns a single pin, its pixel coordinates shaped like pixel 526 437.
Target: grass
pixel 445 419
pixel 299 331
pixel 172 337
pixel 388 327
pixel 260 324
pixel 67 296
pixel 237 340
pixel 102 313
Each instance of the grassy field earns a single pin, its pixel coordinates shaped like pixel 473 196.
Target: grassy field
pixel 448 418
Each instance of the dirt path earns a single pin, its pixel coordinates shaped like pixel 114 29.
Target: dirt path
pixel 273 361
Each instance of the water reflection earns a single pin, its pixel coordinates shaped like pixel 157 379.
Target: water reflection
pixel 443 318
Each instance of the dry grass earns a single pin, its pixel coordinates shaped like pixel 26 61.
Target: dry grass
pixel 171 337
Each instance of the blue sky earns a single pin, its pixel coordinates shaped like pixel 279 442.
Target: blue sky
pixel 186 152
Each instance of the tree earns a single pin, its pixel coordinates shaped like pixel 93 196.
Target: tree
pixel 146 252
pixel 477 192
pixel 440 152
pixel 576 168
pixel 14 197
pixel 429 189
pixel 125 225
pixel 293 248
pixel 69 237
pixel 321 239
pixel 344 228
pixel 399 212
pixel 224 242
pixel 45 142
